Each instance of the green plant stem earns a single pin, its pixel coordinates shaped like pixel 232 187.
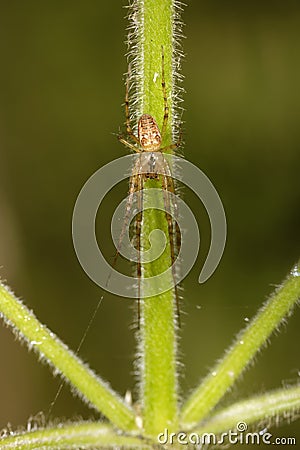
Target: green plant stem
pixel 157 336
pixel 74 436
pixel 246 345
pixel 93 390
pixel 263 408
pixel 159 342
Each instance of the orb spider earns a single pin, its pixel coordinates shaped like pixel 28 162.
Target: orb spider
pixel 148 143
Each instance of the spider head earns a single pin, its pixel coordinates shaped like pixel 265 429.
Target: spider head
pixel 149 134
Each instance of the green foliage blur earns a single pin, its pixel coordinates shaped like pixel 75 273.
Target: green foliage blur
pixel 62 89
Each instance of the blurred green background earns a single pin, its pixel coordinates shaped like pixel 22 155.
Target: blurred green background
pixel 62 88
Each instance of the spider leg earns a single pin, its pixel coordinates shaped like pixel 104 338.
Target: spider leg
pixel 168 186
pixel 171 188
pixel 128 144
pixel 163 85
pixel 138 230
pixel 127 114
pixel 133 186
pixel 172 146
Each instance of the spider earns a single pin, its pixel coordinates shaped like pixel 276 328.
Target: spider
pixel 149 144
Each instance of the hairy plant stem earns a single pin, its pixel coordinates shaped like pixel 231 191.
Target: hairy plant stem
pixel 246 345
pixel 264 409
pixel 72 436
pixel 157 336
pixel 52 350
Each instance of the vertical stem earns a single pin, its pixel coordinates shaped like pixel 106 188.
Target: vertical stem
pixel 153 29
pixel 158 332
pixel 158 340
pixel 158 27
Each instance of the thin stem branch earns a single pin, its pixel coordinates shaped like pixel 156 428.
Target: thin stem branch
pixel 263 409
pixel 49 348
pixel 77 435
pixel 246 345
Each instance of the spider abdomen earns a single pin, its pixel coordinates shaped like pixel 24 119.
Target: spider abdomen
pixel 149 134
